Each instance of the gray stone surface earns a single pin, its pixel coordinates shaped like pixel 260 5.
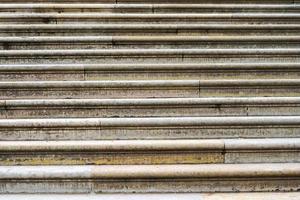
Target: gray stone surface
pixel 117 96
pixel 197 196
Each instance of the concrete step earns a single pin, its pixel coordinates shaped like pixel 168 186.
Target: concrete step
pixel 153 18
pixel 154 88
pixel 265 177
pixel 166 107
pixel 159 42
pixel 149 128
pixel 147 8
pixel 141 152
pixel 149 55
pixel 203 29
pixel 158 71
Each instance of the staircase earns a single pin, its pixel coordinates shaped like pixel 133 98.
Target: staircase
pixel 150 96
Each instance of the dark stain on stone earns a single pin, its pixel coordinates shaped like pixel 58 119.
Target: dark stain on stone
pixel 6 46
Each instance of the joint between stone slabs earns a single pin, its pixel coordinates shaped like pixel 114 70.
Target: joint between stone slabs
pixel 84 74
pixel 199 88
pixel 112 40
pixel 223 151
pixel 5 109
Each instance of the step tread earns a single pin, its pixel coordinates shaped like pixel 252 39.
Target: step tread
pixel 148 66
pixel 149 52
pixel 113 39
pixel 151 102
pixel 272 144
pixel 151 171
pixel 152 121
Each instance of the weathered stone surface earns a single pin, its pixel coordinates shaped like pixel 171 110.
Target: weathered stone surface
pixel 156 128
pixel 171 71
pixel 156 96
pixel 189 178
pixel 126 152
pixel 154 107
pixel 162 196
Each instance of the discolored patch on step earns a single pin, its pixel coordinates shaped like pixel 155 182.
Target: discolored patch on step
pixel 111 158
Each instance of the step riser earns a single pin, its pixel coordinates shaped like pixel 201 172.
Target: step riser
pixel 49 93
pixel 203 91
pixel 64 1
pixel 197 1
pixel 120 158
pixel 84 59
pixel 150 111
pixel 150 75
pixel 145 158
pixel 51 76
pixel 140 158
pixel 144 9
pixel 78 133
pixel 203 196
pixel 154 1
pixel 188 75
pixel 149 186
pixel 100 93
pixel 248 92
pixel 149 21
pixel 156 45
pixel 148 29
pixel 260 157
pixel 166 32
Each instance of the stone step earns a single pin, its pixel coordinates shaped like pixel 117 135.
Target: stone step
pixel 151 88
pixel 159 42
pixel 147 29
pixel 99 89
pixel 158 71
pixel 161 196
pixel 156 1
pixel 149 55
pixel 266 177
pixel 149 128
pixel 147 8
pixel 156 96
pixel 154 18
pixel 141 152
pixel 166 107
